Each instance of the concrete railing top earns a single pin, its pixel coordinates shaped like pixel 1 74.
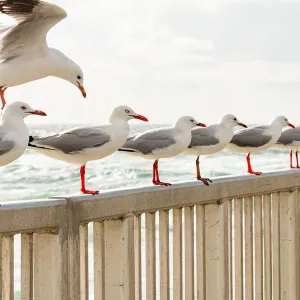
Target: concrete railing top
pixel 28 216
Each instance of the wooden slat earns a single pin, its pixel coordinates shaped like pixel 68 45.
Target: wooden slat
pixel 99 258
pixel 138 257
pixel 229 249
pixel 26 267
pixel 47 258
pixel 84 262
pixel 267 248
pixel 177 254
pixel 200 252
pixel 150 257
pixel 215 251
pixel 1 271
pixel 275 237
pixel 248 248
pixel 258 248
pixel 164 255
pixel 189 251
pixel 288 265
pixel 115 255
pixel 238 241
pixel 128 263
pixel 7 268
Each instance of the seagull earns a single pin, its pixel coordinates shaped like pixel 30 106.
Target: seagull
pixel 212 139
pixel 290 140
pixel 14 133
pixel 257 138
pixel 161 143
pixel 24 53
pixel 86 143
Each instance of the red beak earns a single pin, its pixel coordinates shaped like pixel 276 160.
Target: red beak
pixel 291 125
pixel 140 117
pixel 201 124
pixel 82 90
pixel 38 112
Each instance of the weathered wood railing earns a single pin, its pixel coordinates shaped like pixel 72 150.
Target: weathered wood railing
pixel 237 239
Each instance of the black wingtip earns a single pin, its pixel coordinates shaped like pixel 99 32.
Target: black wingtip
pixel 126 150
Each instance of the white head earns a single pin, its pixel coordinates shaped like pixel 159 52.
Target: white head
pixel 125 113
pixel 188 122
pixel 283 121
pixel 68 70
pixel 20 110
pixel 231 120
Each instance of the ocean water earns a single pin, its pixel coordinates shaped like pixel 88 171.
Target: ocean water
pixel 35 176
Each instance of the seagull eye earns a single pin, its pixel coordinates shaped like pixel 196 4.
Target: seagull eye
pixel 234 119
pixel 78 77
pixel 23 107
pixel 127 111
pixel 192 120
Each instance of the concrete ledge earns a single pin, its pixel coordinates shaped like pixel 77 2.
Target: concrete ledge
pixel 119 203
pixel 27 216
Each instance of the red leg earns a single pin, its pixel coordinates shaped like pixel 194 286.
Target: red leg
pixel 298 167
pixel 82 176
pixel 250 171
pixel 204 180
pixel 291 159
pixel 2 90
pixel 156 180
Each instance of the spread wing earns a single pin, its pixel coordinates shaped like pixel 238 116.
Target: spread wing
pixel 149 141
pixel 33 21
pixel 72 141
pixel 251 137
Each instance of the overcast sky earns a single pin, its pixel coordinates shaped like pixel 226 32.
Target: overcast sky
pixel 167 58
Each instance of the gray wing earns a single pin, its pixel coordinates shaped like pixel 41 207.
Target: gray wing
pixel 251 137
pixel 202 137
pixel 6 146
pixel 34 20
pixel 149 141
pixel 289 136
pixel 72 141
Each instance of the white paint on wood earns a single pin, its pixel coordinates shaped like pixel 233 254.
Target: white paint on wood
pixel 248 248
pixel 200 252
pixel 26 267
pixel 114 259
pixel 138 257
pixel 177 254
pixel 164 255
pixel 288 268
pixel 84 262
pixel 150 257
pixel 258 248
pixel 47 267
pixel 267 248
pixel 7 268
pixel 215 252
pixel 238 246
pixel 128 258
pixel 99 268
pixel 189 251
pixel 275 237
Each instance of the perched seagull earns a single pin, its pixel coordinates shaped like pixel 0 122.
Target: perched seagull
pixel 257 138
pixel 24 53
pixel 212 139
pixel 14 133
pixel 82 144
pixel 290 140
pixel 161 143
